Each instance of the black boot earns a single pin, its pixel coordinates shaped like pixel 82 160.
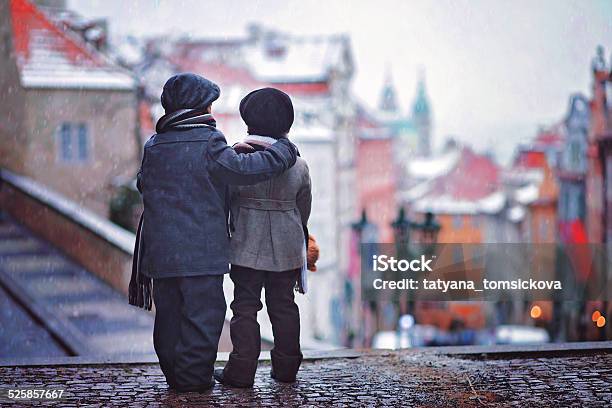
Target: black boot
pixel 283 380
pixel 193 388
pixel 220 377
pixel 285 368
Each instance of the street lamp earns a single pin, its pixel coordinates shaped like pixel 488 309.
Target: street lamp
pixel 364 246
pixel 360 225
pixel 429 229
pixel 426 235
pixel 401 228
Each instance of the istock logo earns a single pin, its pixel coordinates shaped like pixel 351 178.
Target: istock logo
pixel 382 263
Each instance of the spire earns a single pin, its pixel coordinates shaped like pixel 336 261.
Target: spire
pixel 421 117
pixel 388 98
pixel 599 61
pixel 421 103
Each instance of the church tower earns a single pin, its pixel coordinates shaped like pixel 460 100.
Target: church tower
pixel 388 97
pixel 421 118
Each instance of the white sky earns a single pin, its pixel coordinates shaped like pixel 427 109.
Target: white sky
pixel 495 70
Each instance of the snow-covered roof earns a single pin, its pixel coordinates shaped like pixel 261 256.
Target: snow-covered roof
pixel 527 194
pixel 493 203
pixel 436 166
pixel 458 181
pixel 521 176
pixel 296 64
pixel 445 205
pixel 129 51
pixel 50 57
pixel 448 204
pixel 238 67
pixel 297 59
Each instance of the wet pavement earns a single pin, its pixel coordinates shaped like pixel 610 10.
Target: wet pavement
pixel 407 378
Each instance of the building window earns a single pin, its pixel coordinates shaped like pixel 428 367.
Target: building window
pixel 74 143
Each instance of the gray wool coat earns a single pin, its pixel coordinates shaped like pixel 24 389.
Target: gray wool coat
pixel 267 220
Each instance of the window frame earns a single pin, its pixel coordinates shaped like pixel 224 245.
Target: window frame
pixel 77 131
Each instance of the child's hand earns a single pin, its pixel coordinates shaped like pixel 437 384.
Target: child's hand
pixel 243 148
pixel 313 254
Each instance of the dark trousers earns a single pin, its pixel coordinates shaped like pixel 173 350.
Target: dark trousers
pixel 189 316
pixel 244 329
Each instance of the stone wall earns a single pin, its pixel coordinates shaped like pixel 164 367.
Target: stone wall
pixel 95 243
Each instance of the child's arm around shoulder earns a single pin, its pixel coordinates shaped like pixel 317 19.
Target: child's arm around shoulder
pixel 234 168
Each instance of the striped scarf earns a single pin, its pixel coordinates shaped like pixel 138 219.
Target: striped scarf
pixel 185 119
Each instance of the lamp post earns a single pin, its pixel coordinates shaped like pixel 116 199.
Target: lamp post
pixel 364 232
pixel 426 233
pixel 401 228
pixel 401 232
pixel 429 229
pixel 360 225
pixel 354 271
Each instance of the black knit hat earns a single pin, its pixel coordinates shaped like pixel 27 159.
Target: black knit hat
pixel 188 91
pixel 267 112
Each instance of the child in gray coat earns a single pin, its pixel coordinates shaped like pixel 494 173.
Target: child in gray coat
pixel 267 247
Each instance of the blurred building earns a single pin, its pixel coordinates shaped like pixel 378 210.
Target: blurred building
pixel 568 163
pixel 599 178
pixel 532 191
pixel 377 173
pixel 387 141
pixel 532 188
pixel 572 168
pixel 412 130
pixel 70 111
pixel 463 189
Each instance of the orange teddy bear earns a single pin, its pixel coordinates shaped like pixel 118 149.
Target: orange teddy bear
pixel 313 254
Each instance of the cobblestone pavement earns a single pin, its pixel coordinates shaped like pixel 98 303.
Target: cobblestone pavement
pixel 388 380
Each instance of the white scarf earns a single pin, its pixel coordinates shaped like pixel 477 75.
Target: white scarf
pixel 260 139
